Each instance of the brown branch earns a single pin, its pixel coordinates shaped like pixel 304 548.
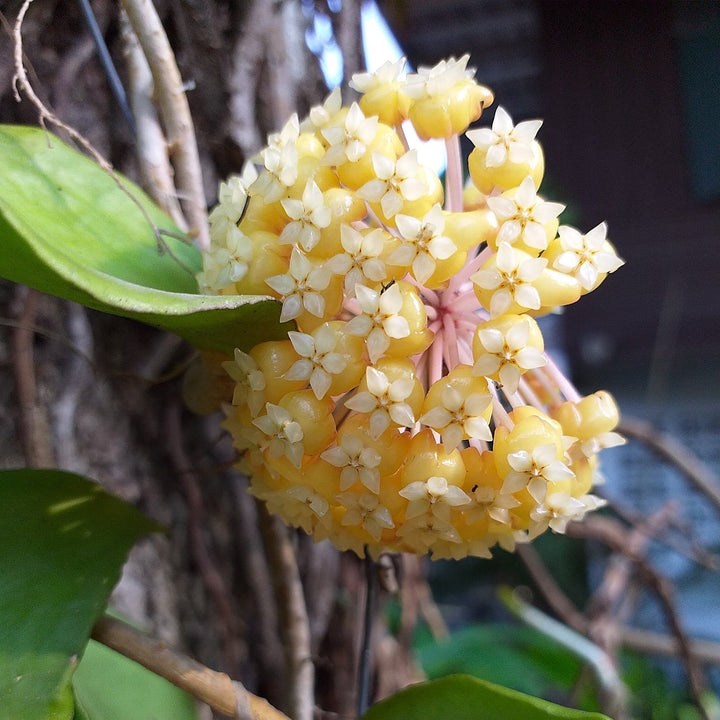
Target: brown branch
pixel 175 113
pixel 152 149
pixel 551 591
pixel 647 641
pixel 34 431
pixel 212 577
pixel 294 622
pixel 668 448
pixel 211 687
pixel 629 546
pixel 247 59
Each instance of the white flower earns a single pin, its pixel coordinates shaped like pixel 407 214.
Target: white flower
pixel 523 216
pixel 559 509
pixel 506 141
pixel 586 257
pixel 439 79
pixel 349 141
pixel 284 433
pixel 249 381
pixel 365 510
pixel 510 274
pixel 360 263
pixel 321 115
pixel 394 183
pixel 388 73
pixel 507 355
pixel 301 288
pixel 358 463
pixel 280 159
pixel 434 496
pixel 317 360
pixel 423 243
pixel 384 401
pixel 308 217
pixel 535 470
pixel 380 320
pixel 459 417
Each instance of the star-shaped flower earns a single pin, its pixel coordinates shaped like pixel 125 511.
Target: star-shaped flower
pixel 506 354
pixel 360 263
pixel 384 401
pixel 349 141
pixel 521 217
pixel 459 417
pixel 284 433
pixel 358 462
pixel 509 275
pixel 534 470
pixel 380 320
pixel 365 510
pixel 317 361
pixel 506 141
pixel 394 183
pixel 588 258
pixel 435 496
pixel 249 381
pixel 308 217
pixel 423 243
pixel 301 288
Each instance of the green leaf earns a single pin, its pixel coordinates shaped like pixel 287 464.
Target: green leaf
pixel 519 657
pixel 460 697
pixel 63 541
pixel 68 229
pixel 109 686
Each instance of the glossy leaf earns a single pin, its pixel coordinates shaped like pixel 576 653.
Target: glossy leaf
pixel 63 541
pixel 109 686
pixel 68 229
pixel 511 655
pixel 460 697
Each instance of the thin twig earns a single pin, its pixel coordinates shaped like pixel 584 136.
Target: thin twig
pixel 614 536
pixel 211 687
pixel 175 113
pixel 116 86
pixel 151 145
pixel 364 664
pixel 36 442
pixel 21 83
pixel 294 622
pixel 667 447
pixel 647 641
pixel 552 592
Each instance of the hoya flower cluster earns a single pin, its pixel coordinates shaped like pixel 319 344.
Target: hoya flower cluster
pixel 413 407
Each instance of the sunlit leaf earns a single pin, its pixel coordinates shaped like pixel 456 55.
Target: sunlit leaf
pixel 460 697
pixel 63 541
pixel 68 229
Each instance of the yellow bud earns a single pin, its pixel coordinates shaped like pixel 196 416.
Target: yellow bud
pixel 346 208
pixel 314 417
pixel 428 459
pixel 413 310
pixel 274 359
pixel 388 102
pixel 508 175
pixel 591 416
pixel 268 259
pixel 205 384
pixel 555 289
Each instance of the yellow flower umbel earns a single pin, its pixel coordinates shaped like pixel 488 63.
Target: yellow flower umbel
pixel 413 407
